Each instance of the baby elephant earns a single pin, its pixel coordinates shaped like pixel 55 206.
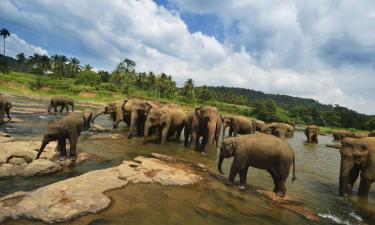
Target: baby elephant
pixel 5 106
pixel 238 125
pixel 64 102
pixel 312 133
pixel 261 151
pixel 69 127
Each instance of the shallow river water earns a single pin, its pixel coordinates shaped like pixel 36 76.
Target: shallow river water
pixel 208 202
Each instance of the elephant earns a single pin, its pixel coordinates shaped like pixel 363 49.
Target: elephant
pixel 188 121
pixel 281 130
pixel 238 125
pixel 87 117
pixel 169 120
pixel 69 127
pixel 261 151
pixel 135 113
pixel 259 124
pixel 114 110
pixel 64 102
pixel 371 134
pixel 206 123
pixel 5 106
pixel 357 159
pixel 312 133
pixel 341 134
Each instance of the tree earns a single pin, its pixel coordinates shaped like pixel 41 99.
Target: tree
pixel 370 124
pixel 87 67
pixel 265 110
pixel 205 94
pixel 3 66
pixel 74 65
pixel 21 61
pixel 188 91
pixel 5 34
pixel 88 77
pixel 104 76
pixel 44 64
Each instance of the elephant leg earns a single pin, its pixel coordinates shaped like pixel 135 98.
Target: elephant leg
pixel 178 133
pixel 164 135
pixel 233 172
pixel 352 178
pixel 186 136
pixel 62 108
pixel 275 179
pixel 73 147
pixel 282 188
pixel 61 144
pixel 67 108
pixel 55 108
pixel 243 176
pixel 194 140
pixel 364 185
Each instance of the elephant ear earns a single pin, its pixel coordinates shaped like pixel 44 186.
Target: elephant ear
pixel 147 108
pixel 198 110
pixel 123 104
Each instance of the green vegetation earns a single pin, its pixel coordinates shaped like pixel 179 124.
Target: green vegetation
pixel 56 75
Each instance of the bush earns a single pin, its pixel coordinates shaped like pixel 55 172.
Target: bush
pixel 88 77
pixel 39 83
pixel 108 87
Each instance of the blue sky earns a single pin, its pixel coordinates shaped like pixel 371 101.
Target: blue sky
pixel 323 49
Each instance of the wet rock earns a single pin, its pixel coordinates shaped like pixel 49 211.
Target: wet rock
pixel 106 137
pixel 84 194
pixel 336 146
pixel 41 167
pixel 81 158
pixel 98 128
pixel 203 209
pixel 17 161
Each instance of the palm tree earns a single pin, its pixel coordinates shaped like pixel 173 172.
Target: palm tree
pixel 74 65
pixel 44 63
pixel 87 67
pixel 5 34
pixel 21 61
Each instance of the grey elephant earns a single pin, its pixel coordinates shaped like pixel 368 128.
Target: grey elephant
pixel 206 123
pixel 238 125
pixel 169 120
pixel 64 102
pixel 357 159
pixel 69 127
pixel 5 106
pixel 259 124
pixel 341 134
pixel 135 113
pixel 261 151
pixel 280 130
pixel 87 117
pixel 312 133
pixel 114 110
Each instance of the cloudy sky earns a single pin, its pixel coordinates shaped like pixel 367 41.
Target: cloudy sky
pixel 321 49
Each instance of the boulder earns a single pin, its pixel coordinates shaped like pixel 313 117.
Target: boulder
pixel 98 128
pixel 84 194
pixel 41 167
pixel 17 161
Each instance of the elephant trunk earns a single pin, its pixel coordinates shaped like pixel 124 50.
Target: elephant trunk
pixel 220 163
pixel 133 123
pixel 345 167
pixel 310 135
pixel 42 147
pixel 98 114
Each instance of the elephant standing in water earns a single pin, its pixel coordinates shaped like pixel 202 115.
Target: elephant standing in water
pixel 70 128
pixel 135 113
pixel 341 134
pixel 114 110
pixel 64 102
pixel 357 159
pixel 261 151
pixel 280 130
pixel 5 106
pixel 312 133
pixel 169 120
pixel 259 124
pixel 238 125
pixel 206 123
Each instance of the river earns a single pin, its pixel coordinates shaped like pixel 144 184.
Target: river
pixel 210 201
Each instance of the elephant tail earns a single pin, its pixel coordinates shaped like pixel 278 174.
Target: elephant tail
pixel 294 169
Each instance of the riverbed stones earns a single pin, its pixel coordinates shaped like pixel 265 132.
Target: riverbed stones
pixel 84 194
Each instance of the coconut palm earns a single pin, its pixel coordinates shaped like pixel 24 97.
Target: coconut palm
pixel 5 34
pixel 44 63
pixel 21 61
pixel 74 65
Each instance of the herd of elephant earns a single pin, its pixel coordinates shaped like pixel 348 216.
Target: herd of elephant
pixel 260 145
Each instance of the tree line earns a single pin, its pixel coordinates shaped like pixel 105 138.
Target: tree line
pixel 126 79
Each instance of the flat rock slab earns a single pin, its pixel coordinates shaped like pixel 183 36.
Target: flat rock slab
pixel 84 194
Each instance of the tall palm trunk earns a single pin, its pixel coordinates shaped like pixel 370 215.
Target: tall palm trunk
pixel 4 46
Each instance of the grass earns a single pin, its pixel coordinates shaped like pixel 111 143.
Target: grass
pixel 33 85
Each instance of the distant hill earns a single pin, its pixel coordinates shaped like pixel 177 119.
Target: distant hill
pixel 284 101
